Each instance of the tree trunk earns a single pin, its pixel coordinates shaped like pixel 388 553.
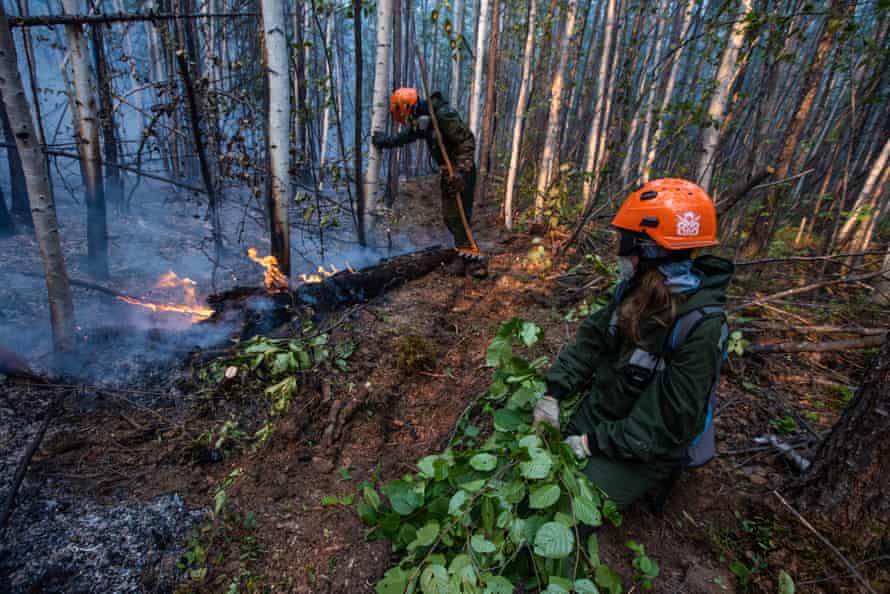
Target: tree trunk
pixel 278 131
pixel 551 142
pixel 20 211
pixel 357 149
pixel 113 185
pixel 868 195
pixel 88 143
pixel 720 99
pixel 457 52
pixel 380 102
pixel 328 100
pixel 519 118
pixel 595 130
pixel 764 223
pixel 490 105
pixel 395 156
pixel 43 208
pixel 848 483
pixel 649 117
pixel 7 225
pixel 300 82
pixel 478 60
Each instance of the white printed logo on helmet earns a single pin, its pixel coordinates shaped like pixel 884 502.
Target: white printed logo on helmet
pixel 688 224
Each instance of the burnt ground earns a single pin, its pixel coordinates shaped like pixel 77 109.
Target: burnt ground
pixel 120 494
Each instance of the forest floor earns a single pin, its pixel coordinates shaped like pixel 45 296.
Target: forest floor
pixel 121 494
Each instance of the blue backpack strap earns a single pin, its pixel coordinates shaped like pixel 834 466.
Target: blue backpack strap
pixel 702 447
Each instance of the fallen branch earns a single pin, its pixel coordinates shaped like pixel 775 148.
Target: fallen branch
pixel 811 287
pixel 818 347
pixel 819 329
pixel 827 543
pixel 741 189
pixel 86 285
pixel 809 258
pixel 26 461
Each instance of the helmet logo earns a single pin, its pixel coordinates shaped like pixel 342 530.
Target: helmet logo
pixel 688 224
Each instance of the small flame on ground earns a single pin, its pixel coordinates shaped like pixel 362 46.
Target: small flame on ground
pixel 272 275
pixel 190 305
pixel 322 273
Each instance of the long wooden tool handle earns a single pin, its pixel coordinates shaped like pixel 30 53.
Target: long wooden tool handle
pixel 458 197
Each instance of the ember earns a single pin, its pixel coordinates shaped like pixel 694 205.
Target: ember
pixel 190 303
pixel 273 277
pixel 322 273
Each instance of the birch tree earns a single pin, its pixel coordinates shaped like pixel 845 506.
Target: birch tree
pixel 380 100
pixel 554 118
pixel 519 117
pixel 278 129
pixel 43 208
pixel 595 130
pixel 865 210
pixel 86 124
pixel 457 53
pixel 329 98
pixel 720 99
pixel 649 116
pixel 479 60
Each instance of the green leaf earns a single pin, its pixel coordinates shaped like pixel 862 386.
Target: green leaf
pixel 544 496
pixel 513 492
pixel 499 350
pixel 554 541
pixel 610 510
pixel 425 536
pixel 560 582
pixel 585 586
pixel 497 584
pixel 395 581
pixel 427 466
pixel 330 500
pixel 367 514
pixel 555 589
pixel 507 420
pixel 481 544
pixel 456 504
pixel 530 333
pixel 483 462
pixel 434 580
pixel 606 578
pixel 786 584
pixel 371 497
pixel 538 467
pixel 586 513
pixel 472 486
pixel 530 442
pixel 402 496
pixel 593 550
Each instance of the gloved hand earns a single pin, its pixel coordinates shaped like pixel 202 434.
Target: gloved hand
pixel 579 445
pixel 455 184
pixel 378 139
pixel 547 411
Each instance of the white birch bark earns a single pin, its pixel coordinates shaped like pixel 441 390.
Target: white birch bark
pixel 380 101
pixel 521 103
pixel 458 24
pixel 720 99
pixel 635 119
pixel 649 158
pixel 278 138
pixel 868 194
pixel 601 156
pixel 593 140
pixel 653 93
pixel 329 97
pixel 478 62
pixel 551 141
pixel 87 126
pixel 43 208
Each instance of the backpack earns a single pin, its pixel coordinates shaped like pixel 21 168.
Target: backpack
pixel 703 447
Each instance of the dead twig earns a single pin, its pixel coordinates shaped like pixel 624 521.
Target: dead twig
pixel 808 258
pixel 809 288
pixel 865 342
pixel 852 569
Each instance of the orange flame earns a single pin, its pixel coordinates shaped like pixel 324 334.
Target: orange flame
pixel 272 275
pixel 322 274
pixel 190 306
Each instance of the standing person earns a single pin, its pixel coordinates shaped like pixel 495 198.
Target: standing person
pixel 414 113
pixel 650 360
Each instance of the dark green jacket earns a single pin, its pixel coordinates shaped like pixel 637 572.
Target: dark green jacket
pixel 659 420
pixel 457 137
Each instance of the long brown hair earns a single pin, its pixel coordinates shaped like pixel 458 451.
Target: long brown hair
pixel 649 296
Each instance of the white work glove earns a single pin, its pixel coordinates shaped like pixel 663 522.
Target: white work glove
pixel 547 411
pixel 579 445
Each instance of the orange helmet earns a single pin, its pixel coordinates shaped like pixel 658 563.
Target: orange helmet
pixel 402 103
pixel 675 213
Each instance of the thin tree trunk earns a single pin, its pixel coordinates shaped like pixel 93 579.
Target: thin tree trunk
pixel 300 82
pixel 649 118
pixel 868 195
pixel 490 104
pixel 395 156
pixel 478 60
pixel 457 52
pixel 114 186
pixel 519 119
pixel 593 141
pixel 88 143
pixel 380 102
pixel 720 99
pixel 278 130
pixel 43 207
pixel 20 211
pixel 7 225
pixel 329 98
pixel 545 172
pixel 359 196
